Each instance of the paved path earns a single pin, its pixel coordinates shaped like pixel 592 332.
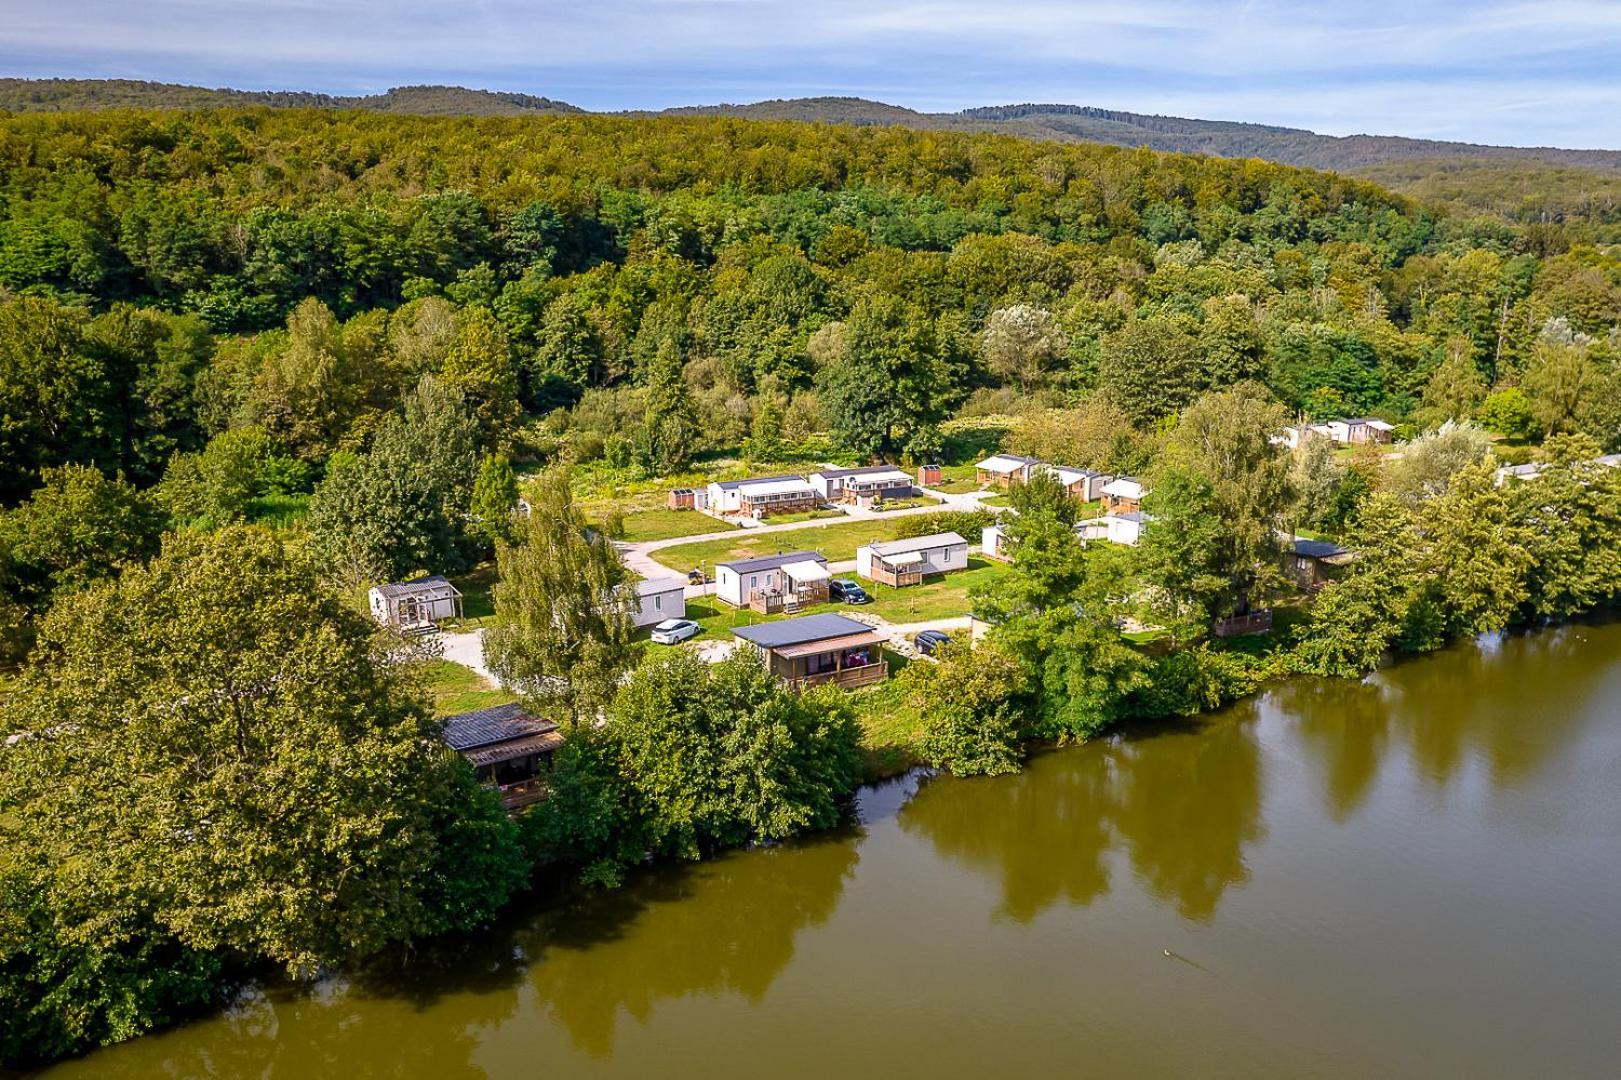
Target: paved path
pixel 638 557
pixel 467 649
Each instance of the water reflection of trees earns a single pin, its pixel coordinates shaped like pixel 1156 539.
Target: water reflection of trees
pixel 1182 804
pixel 1345 728
pixel 725 926
pixel 1513 702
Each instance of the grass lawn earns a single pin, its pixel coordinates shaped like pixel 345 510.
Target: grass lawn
pixel 477 605
pixel 278 511
pixel 943 597
pixel 957 485
pixel 665 524
pixel 838 542
pixel 803 515
pixel 889 725
pixel 904 504
pixel 456 689
pixel 996 500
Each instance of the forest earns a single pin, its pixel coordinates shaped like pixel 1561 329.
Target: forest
pixel 252 360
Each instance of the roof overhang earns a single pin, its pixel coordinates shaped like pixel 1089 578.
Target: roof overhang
pixel 902 558
pixel 813 648
pixel 807 571
pixel 514 749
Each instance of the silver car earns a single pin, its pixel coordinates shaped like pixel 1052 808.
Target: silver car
pixel 674 631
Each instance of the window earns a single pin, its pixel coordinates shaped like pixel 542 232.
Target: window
pixel 754 580
pixel 658 603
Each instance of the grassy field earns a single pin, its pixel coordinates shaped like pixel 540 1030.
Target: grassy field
pixel 803 515
pixel 477 604
pixel 456 689
pixel 944 597
pixel 665 524
pixel 905 504
pixel 837 542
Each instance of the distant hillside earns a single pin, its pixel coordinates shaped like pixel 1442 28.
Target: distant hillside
pixel 1063 123
pixel 71 95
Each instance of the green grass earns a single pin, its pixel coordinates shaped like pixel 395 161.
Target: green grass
pixel 957 485
pixel 837 542
pixel 944 597
pixel 666 524
pixel 905 504
pixel 456 689
pixel 803 515
pixel 477 604
pixel 996 500
pixel 890 726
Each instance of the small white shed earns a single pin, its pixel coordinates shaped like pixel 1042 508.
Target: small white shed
pixel 415 606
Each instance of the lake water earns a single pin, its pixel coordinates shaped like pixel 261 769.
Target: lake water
pixel 1419 875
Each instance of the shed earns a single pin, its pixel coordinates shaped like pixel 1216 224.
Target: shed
pixel 416 606
pixel 508 748
pixel 1312 562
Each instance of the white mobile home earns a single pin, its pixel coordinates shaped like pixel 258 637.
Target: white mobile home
pixel 1084 484
pixel 658 599
pixel 1359 429
pixel 862 485
pixel 909 561
pixel 773 581
pixel 1004 470
pixel 415 606
pixel 1122 495
pixel 762 495
pixel 993 543
pixel 1127 528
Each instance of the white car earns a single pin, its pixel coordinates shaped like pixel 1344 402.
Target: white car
pixel 672 631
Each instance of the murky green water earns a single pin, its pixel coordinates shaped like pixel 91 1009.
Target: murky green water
pixel 1419 876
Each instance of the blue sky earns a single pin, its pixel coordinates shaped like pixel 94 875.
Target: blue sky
pixel 1546 72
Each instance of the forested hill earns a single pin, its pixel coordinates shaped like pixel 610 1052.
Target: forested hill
pixel 72 95
pixel 1062 123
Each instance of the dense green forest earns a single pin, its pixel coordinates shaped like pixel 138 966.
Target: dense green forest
pixel 170 277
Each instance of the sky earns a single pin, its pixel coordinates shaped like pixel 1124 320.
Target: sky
pixel 1524 73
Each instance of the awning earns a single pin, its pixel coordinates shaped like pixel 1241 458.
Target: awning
pixel 814 648
pixel 514 749
pixel 903 558
pixel 806 571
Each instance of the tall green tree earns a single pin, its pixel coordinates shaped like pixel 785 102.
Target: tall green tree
pixel 562 628
pixel 79 527
pixel 670 425
pixel 214 759
pixel 491 515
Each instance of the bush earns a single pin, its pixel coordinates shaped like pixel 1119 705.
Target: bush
pixel 966 523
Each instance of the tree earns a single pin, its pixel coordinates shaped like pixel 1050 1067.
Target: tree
pixel 721 754
pixel 1428 463
pixel 1181 560
pixel 53 393
pixel 973 706
pixel 1044 493
pixel 1455 388
pixel 670 431
pixel 1226 438
pixel 218 735
pixel 1149 368
pixel 562 628
pixel 479 366
pixel 217 486
pixel 1318 478
pixel 494 501
pixel 1508 412
pixel 1357 619
pixel 1231 341
pixel 1021 343
pixel 79 527
pixel 402 505
pixel 765 437
pixel 1559 381
pixel 1568 520
pixel 1480 558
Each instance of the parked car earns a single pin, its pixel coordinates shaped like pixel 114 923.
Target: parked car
pixel 929 641
pixel 848 591
pixel 673 631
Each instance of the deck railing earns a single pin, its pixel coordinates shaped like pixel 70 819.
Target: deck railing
pixel 849 678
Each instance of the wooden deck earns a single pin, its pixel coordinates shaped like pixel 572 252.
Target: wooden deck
pixel 849 678
pixel 885 575
pixel 526 793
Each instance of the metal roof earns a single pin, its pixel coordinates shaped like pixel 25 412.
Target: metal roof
pixel 918 543
pixel 1005 462
pixel 771 562
pixel 869 470
pixel 1317 549
pixel 800 631
pixel 655 586
pixel 730 485
pixel 487 727
pixel 431 583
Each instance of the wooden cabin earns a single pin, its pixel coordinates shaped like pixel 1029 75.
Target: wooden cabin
pixel 1312 563
pixel 508 748
pixel 816 649
pixel 1004 470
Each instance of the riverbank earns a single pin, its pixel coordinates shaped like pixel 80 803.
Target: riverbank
pixel 1354 878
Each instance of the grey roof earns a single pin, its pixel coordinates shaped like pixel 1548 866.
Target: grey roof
pixel 798 631
pixel 1136 515
pixel 834 474
pixel 771 562
pixel 918 543
pixel 417 585
pixel 655 586
pixel 497 724
pixel 1317 549
pixel 728 485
